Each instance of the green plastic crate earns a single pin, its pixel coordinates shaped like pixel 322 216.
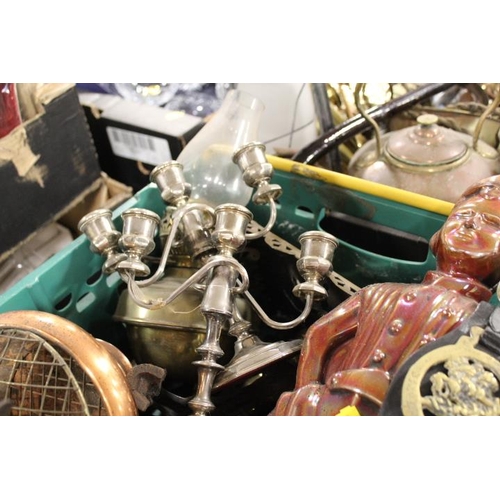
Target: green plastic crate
pixel 71 284
pixel 381 239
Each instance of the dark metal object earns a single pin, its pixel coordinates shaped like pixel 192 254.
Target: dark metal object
pixel 358 124
pixel 322 106
pixel 325 120
pixel 491 338
pixel 452 95
pixel 145 382
pixel 5 407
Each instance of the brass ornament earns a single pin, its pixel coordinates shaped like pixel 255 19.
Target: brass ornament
pixel 467 389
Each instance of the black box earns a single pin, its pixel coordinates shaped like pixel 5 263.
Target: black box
pixel 132 138
pixel 47 165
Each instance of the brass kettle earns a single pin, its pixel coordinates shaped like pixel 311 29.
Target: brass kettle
pixel 427 159
pixel 168 337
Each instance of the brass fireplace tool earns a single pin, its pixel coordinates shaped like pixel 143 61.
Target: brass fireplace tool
pixel 204 240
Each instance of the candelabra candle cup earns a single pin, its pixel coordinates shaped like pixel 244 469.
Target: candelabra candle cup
pixel 315 262
pixel 251 158
pixel 99 228
pixel 196 235
pixel 231 223
pixel 169 177
pixel 137 240
pixel 257 171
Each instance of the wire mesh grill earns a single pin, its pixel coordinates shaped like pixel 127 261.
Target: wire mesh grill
pixel 42 379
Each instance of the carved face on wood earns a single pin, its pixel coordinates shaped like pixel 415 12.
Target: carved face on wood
pixel 469 241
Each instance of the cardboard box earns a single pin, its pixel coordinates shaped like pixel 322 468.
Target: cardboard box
pixel 132 138
pixel 109 194
pixel 47 165
pixel 52 238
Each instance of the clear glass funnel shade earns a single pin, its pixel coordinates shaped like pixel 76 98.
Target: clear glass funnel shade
pixel 207 158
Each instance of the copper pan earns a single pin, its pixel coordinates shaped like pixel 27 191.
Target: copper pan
pixel 102 364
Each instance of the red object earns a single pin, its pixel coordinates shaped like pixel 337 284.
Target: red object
pixel 10 117
pixel 351 354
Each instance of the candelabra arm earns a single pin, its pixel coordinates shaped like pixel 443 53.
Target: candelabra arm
pixel 270 223
pixel 140 298
pixel 286 325
pixel 176 220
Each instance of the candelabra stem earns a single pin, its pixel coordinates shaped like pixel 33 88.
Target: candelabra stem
pixel 217 307
pixel 208 368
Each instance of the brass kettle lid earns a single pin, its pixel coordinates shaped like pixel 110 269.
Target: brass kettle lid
pixel 426 144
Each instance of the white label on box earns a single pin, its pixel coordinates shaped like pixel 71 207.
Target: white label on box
pixel 139 147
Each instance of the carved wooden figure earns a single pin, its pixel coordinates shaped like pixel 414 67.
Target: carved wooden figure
pixel 350 355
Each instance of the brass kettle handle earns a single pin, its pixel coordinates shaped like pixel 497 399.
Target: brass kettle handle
pixel 492 106
pixel 360 87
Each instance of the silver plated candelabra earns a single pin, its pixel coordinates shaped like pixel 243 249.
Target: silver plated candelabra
pixel 214 237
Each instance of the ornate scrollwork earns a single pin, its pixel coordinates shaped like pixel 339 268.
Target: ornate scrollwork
pixel 465 384
pixel 467 389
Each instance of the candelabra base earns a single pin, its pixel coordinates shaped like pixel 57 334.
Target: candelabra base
pixel 255 355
